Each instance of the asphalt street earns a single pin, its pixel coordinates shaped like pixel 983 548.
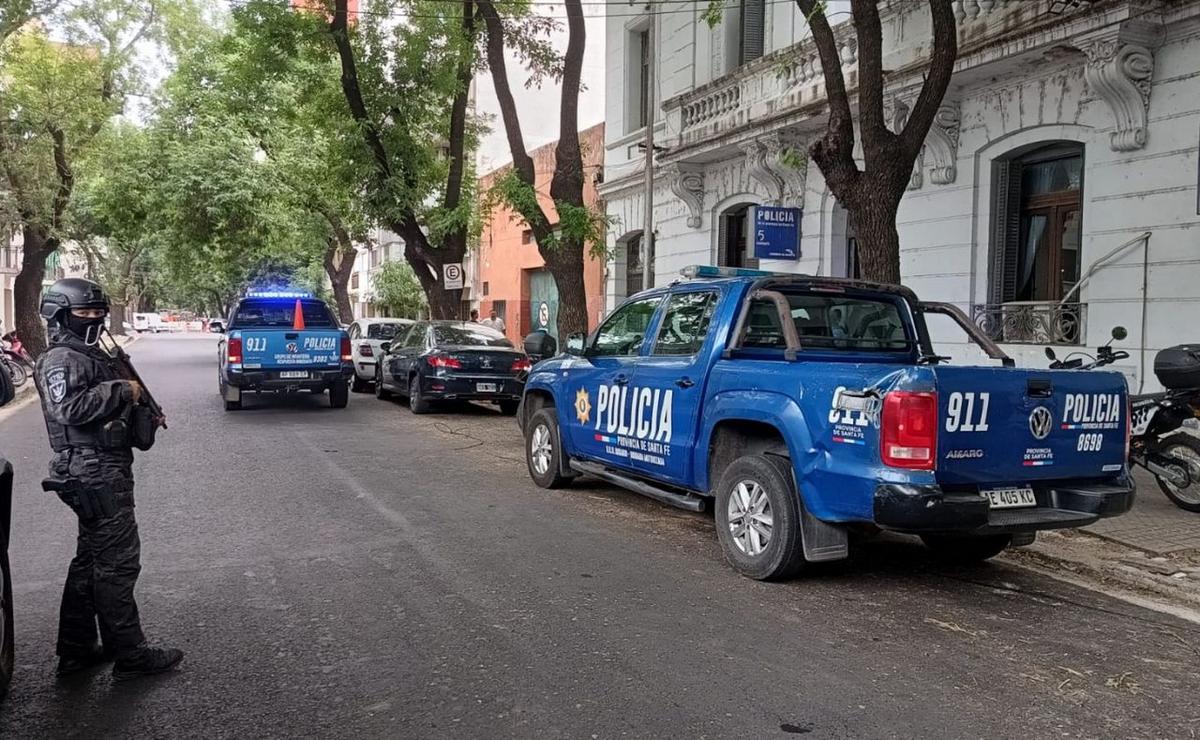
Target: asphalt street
pixel 368 573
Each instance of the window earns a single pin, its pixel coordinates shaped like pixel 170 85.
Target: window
pixel 1037 225
pixel 622 334
pixel 751 27
pixel 416 337
pixel 685 324
pixel 635 271
pixel 280 314
pixel 354 281
pixel 386 331
pixel 485 288
pixel 734 249
pixel 830 322
pixel 639 82
pixel 353 332
pixel 527 236
pixel 501 308
pixel 468 335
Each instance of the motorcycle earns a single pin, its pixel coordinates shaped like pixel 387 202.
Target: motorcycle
pixel 15 359
pixel 1157 439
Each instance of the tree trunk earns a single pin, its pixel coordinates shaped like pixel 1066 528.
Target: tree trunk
pixel 874 223
pixel 116 313
pixel 566 265
pixel 27 288
pixel 339 271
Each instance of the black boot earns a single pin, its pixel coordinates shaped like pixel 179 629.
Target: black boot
pixel 76 662
pixel 146 662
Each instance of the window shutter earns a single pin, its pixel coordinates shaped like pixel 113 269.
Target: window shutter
pixel 753 19
pixel 1006 230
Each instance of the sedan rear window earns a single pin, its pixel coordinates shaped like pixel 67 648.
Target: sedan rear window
pixel 281 314
pixel 469 335
pixel 383 331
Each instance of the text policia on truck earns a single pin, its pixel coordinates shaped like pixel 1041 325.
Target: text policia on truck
pixel 803 407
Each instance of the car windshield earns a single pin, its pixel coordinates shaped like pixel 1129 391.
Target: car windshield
pixel 281 314
pixel 386 331
pixel 833 321
pixel 469 335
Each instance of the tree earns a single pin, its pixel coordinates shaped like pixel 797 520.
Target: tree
pixel 398 85
pixel 871 194
pixel 561 242
pixel 398 291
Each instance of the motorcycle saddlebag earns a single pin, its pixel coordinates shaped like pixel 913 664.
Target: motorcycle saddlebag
pixel 1178 366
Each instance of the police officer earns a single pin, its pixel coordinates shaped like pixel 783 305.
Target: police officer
pixel 86 402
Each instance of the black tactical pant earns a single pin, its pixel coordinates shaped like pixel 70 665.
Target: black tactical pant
pixel 100 583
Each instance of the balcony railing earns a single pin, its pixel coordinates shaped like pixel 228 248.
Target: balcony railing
pixel 1032 322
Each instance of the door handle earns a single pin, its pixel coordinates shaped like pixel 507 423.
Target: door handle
pixel 621 379
pixel 685 382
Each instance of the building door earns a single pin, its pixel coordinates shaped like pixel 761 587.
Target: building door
pixel 734 247
pixel 543 302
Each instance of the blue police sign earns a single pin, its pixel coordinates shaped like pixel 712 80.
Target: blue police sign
pixel 776 233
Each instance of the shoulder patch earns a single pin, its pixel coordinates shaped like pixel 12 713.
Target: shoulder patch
pixel 56 384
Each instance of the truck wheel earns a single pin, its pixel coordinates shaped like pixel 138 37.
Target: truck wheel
pixel 758 520
pixel 509 408
pixel 339 394
pixel 381 393
pixel 965 549
pixel 1184 450
pixel 543 450
pixel 358 385
pixel 416 402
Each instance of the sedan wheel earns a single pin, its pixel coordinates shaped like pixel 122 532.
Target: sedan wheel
pixel 380 392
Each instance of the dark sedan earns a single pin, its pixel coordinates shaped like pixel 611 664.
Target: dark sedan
pixel 451 361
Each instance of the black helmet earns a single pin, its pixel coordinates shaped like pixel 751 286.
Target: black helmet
pixel 70 293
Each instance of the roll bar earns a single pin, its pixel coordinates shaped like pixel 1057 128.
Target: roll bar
pixel 974 332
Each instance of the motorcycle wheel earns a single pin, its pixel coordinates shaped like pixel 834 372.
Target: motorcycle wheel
pixel 1185 449
pixel 19 376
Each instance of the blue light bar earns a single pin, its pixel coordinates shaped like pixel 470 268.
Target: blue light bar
pixel 277 294
pixel 693 272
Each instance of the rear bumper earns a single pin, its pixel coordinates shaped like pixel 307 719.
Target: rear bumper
pixel 1060 505
pixel 365 369
pixel 453 388
pixel 269 380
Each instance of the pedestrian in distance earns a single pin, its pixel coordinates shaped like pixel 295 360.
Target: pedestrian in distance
pixel 493 321
pixel 474 315
pixel 96 412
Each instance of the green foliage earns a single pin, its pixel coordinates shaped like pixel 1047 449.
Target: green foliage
pixel 398 291
pixel 576 224
pixel 794 158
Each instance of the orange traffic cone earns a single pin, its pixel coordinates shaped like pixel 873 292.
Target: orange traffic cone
pixel 298 321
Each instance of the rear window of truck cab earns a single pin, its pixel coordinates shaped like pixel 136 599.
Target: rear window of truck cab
pixel 831 322
pixel 281 314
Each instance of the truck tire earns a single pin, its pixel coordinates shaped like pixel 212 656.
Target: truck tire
pixel 966 549
pixel 381 393
pixel 543 450
pixel 509 408
pixel 416 402
pixel 758 518
pixel 1184 449
pixel 339 394
pixel 358 385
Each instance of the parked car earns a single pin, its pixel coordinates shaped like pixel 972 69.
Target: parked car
pixel 216 326
pixel 805 408
pixel 451 360
pixel 366 343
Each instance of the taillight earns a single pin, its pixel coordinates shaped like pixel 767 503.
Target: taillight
pixel 908 433
pixel 233 351
pixel 365 350
pixel 443 362
pixel 347 356
pixel 521 365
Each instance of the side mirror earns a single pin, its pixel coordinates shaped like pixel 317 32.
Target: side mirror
pixel 575 344
pixel 1050 355
pixel 1119 333
pixel 385 347
pixel 217 329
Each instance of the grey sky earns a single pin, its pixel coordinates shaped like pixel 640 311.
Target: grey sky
pixel 539 107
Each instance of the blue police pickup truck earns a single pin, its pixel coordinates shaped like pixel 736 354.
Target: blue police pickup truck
pixel 805 408
pixel 283 342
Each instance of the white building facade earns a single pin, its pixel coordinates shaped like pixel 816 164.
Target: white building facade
pixel 1056 196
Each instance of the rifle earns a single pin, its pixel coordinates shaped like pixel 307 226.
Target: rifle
pixel 122 357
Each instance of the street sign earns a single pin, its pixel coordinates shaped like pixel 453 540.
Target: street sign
pixel 776 233
pixel 453 274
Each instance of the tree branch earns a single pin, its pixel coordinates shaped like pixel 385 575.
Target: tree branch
pixel 876 136
pixel 338 28
pixel 458 113
pixel 941 67
pixel 836 148
pixel 66 178
pixel 522 162
pixel 567 182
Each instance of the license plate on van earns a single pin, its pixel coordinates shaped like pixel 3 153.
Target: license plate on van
pixel 1010 498
pixel 293 374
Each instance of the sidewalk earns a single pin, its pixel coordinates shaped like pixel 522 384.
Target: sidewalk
pixel 1154 525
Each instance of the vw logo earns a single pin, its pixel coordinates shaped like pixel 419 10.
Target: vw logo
pixel 1040 422
pixel 293 347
